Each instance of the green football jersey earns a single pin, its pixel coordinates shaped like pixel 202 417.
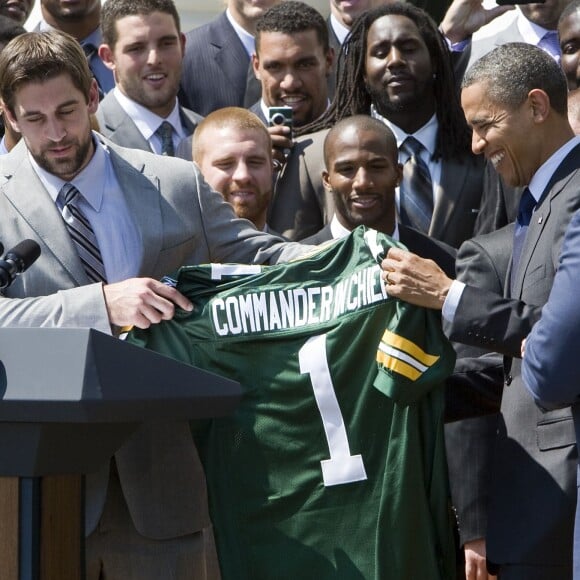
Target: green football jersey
pixel 333 466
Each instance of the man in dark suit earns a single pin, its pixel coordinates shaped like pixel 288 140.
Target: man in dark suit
pixel 111 221
pixel 550 362
pixel 217 69
pixel 362 172
pixel 514 98
pixel 143 46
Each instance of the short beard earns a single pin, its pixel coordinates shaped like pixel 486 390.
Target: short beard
pixel 66 169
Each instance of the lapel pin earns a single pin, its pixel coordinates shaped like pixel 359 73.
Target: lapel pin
pixel 540 220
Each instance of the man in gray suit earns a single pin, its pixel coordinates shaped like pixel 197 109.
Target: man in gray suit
pixel 514 98
pixel 110 221
pixel 143 46
pixel 217 67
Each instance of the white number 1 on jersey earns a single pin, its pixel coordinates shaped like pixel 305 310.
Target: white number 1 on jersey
pixel 342 467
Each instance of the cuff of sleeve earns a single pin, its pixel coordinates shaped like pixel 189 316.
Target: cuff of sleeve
pixel 452 300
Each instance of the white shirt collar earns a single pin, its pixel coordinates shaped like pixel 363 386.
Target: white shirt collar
pixel 146 121
pixel 3 148
pixel 245 37
pixel 543 175
pixel 339 28
pixel 338 231
pixel 426 135
pixel 89 181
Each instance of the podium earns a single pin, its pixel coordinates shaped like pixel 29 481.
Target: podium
pixel 69 398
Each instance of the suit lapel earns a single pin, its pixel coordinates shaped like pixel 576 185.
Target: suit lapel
pixel 543 211
pixel 453 176
pixel 230 54
pixel 122 127
pixel 27 194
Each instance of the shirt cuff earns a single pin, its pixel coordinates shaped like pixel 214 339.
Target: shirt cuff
pixel 457 46
pixel 452 300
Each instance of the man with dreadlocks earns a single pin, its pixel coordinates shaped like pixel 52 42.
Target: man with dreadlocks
pixel 396 66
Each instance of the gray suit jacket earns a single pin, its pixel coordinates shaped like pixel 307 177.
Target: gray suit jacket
pixel 216 70
pixel 533 496
pixel 300 206
pixel 181 221
pixel 119 127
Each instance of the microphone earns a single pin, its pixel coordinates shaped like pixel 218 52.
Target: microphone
pixel 17 260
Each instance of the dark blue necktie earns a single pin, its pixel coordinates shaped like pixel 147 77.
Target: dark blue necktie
pixel 525 209
pixel 416 191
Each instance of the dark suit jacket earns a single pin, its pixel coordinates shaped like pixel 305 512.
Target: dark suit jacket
pixel 300 206
pixel 216 69
pixel 116 125
pixel 256 108
pixel 477 382
pixel 415 241
pixel 532 504
pixel 336 46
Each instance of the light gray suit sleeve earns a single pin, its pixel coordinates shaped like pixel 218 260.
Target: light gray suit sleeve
pixel 550 367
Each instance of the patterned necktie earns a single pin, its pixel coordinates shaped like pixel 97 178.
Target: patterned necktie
pixel 82 233
pixel 90 51
pixel 526 207
pixel 416 191
pixel 551 44
pixel 165 133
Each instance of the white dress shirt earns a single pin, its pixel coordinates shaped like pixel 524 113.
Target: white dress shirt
pixel 148 122
pixel 103 204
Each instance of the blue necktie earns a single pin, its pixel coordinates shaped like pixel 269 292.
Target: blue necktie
pixel 525 210
pixel 82 233
pixel 416 190
pixel 165 132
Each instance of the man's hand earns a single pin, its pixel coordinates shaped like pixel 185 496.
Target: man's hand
pixel 281 136
pixel 475 566
pixel 142 302
pixel 414 279
pixel 464 17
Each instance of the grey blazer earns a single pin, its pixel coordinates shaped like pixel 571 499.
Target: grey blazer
pixel 300 206
pixel 216 69
pixel 119 127
pixel 181 221
pixel 535 462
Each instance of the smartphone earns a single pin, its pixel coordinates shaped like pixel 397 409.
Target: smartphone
pixel 511 2
pixel 280 116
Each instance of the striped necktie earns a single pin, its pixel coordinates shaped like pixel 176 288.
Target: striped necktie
pixel 165 133
pixel 525 210
pixel 82 233
pixel 416 190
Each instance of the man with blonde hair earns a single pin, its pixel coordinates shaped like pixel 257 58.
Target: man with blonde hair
pixel 240 168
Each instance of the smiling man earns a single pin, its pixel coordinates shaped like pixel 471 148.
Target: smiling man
pixel 362 173
pixel 143 46
pixel 241 167
pixel 292 62
pixel 514 99
pixel 17 10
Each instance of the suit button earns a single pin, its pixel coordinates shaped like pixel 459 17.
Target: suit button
pixel 508 380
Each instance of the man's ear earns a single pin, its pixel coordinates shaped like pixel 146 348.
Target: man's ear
pixel 540 104
pixel 107 56
pixel 8 116
pixel 325 181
